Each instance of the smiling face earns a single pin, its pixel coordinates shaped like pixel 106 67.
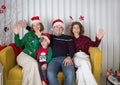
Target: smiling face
pixel 36 26
pixel 57 30
pixel 76 29
pixel 44 43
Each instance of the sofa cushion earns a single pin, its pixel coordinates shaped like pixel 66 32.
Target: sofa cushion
pixel 61 77
pixel 15 73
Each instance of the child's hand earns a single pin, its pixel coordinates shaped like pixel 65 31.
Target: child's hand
pixel 15 28
pixel 44 67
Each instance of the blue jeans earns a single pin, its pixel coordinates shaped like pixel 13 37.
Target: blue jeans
pixel 53 69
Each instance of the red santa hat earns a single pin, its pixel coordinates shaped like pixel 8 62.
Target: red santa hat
pixel 57 22
pixel 46 36
pixel 35 19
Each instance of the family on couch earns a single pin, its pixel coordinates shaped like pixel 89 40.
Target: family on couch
pixel 67 52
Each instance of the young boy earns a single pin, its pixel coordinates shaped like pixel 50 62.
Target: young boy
pixel 44 55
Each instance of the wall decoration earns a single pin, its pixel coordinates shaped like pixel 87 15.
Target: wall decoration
pixel 6 21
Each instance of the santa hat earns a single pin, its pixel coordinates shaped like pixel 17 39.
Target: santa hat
pixel 35 19
pixel 46 36
pixel 57 22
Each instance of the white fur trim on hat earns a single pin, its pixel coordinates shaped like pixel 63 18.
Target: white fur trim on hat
pixel 58 23
pixel 46 38
pixel 35 21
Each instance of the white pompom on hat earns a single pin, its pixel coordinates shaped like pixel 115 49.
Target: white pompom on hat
pixel 58 22
pixel 35 19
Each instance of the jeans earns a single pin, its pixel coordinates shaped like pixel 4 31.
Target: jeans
pixel 53 69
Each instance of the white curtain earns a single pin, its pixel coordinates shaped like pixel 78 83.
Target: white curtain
pixel 97 14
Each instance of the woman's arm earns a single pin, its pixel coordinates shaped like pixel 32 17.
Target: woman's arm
pixel 100 34
pixel 98 39
pixel 18 41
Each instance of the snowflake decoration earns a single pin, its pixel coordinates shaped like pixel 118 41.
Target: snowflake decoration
pixel 81 18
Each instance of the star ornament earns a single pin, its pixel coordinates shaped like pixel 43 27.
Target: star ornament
pixel 81 18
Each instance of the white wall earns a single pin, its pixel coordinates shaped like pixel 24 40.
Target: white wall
pixel 98 14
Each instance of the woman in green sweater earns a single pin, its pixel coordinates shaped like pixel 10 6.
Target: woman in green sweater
pixel 26 59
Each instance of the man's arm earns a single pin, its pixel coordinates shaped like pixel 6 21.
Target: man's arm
pixel 68 60
pixel 28 28
pixel 71 48
pixel 24 24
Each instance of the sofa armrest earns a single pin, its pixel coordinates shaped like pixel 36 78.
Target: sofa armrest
pixel 7 58
pixel 96 61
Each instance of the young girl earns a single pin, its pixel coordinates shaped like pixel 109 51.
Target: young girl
pixel 44 55
pixel 81 57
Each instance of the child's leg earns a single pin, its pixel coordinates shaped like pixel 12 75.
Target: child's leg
pixel 43 73
pixel 44 83
pixel 44 76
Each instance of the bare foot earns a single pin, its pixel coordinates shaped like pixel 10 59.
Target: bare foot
pixel 44 83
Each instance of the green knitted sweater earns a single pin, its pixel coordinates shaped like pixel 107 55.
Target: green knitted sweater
pixel 30 41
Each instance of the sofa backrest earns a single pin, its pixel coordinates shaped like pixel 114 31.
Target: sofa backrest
pixel 2 47
pixel 7 58
pixel 16 49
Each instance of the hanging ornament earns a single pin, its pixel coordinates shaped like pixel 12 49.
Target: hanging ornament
pixel 6 29
pixel 1 11
pixel 3 7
